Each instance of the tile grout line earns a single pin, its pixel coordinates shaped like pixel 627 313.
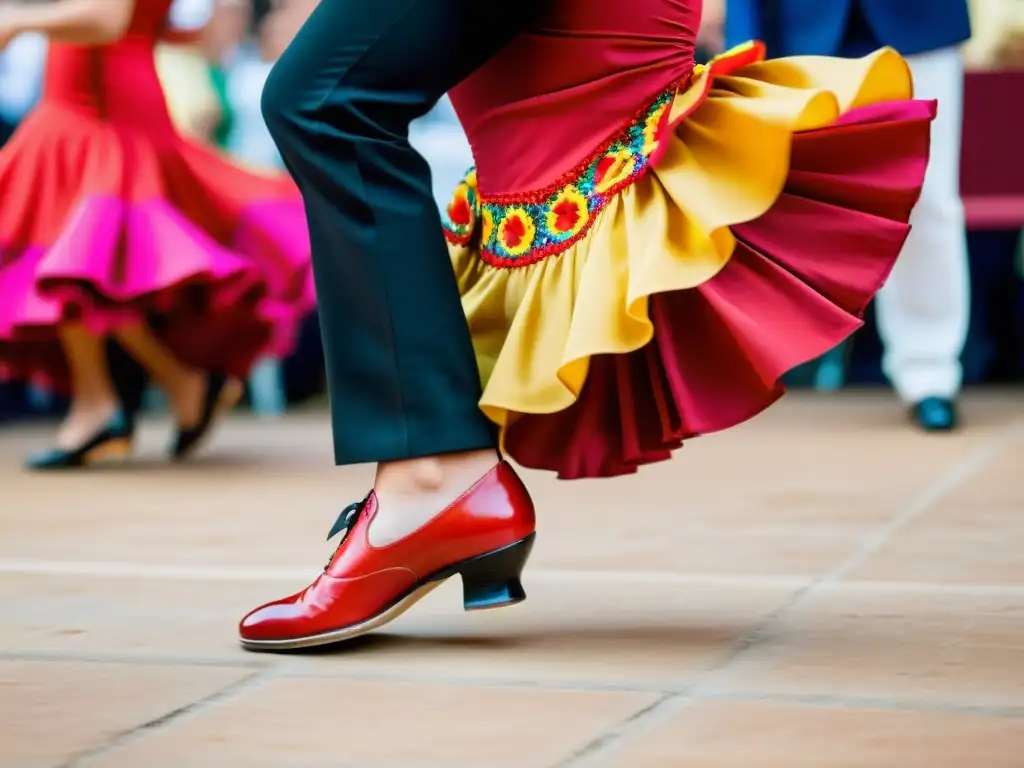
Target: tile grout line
pixel 923 503
pixel 650 716
pixel 292 671
pixel 248 683
pixel 932 494
pixel 102 570
pixel 595 752
pixel 129 659
pixel 872 703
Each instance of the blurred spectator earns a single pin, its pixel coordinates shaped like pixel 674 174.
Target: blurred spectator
pixel 923 310
pixel 184 72
pixel 21 79
pixel 998 39
pixel 711 37
pixel 249 140
pixel 439 137
pixel 225 44
pixel 195 74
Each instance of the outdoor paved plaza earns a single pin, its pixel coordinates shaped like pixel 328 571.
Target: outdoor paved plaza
pixel 820 588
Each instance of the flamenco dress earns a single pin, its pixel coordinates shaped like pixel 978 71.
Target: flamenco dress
pixel 109 217
pixel 646 246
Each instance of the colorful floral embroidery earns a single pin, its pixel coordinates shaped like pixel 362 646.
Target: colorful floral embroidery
pixel 568 213
pixel 521 229
pixel 651 127
pixel 462 210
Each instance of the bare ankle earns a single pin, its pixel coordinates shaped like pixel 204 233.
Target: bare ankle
pixel 93 402
pixel 411 475
pixel 430 474
pixel 411 492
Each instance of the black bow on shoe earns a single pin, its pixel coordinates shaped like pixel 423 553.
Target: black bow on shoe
pixel 344 524
pixel 346 519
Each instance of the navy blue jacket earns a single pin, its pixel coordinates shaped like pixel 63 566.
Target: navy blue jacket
pixel 823 27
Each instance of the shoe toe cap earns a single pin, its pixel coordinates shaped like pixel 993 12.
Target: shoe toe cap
pixel 274 621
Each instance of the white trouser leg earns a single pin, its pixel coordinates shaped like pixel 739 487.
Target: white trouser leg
pixel 923 309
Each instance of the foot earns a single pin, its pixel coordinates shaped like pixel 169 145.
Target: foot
pixel 87 440
pixel 83 422
pixel 485 536
pixel 219 395
pixel 935 414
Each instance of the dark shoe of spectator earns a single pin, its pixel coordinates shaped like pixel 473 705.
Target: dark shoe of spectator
pixel 935 414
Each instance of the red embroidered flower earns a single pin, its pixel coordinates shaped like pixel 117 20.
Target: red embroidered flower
pixel 516 231
pixel 513 232
pixel 568 212
pixel 460 212
pixel 603 166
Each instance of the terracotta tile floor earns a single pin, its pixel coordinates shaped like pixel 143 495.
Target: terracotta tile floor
pixel 822 587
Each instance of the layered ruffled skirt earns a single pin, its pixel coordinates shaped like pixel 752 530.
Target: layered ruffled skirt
pixel 735 229
pixel 107 225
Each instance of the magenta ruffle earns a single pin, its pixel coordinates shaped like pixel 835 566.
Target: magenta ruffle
pixel 217 307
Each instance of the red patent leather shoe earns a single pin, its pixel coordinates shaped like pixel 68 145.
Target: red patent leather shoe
pixel 485 537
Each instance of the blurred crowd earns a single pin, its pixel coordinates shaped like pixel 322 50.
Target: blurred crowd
pixel 213 86
pixel 214 83
pixel 997 40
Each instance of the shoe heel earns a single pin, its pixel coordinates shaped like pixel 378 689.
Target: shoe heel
pixel 492 580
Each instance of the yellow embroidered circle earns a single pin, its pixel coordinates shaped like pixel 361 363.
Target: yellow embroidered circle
pixel 651 126
pixel 486 226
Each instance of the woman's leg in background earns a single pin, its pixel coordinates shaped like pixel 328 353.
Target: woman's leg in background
pixel 185 387
pixel 403 380
pixel 94 400
pixel 130 379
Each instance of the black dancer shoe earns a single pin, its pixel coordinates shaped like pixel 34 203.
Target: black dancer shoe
pixel 935 414
pixel 113 442
pixel 221 395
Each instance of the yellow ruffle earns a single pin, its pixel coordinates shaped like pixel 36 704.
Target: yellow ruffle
pixel 535 327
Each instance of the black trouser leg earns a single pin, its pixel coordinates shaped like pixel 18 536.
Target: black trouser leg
pixel 402 377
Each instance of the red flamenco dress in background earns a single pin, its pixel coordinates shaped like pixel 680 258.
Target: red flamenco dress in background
pixel 645 247
pixel 108 216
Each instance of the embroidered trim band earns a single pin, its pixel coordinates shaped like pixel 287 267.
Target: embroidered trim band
pixel 516 230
